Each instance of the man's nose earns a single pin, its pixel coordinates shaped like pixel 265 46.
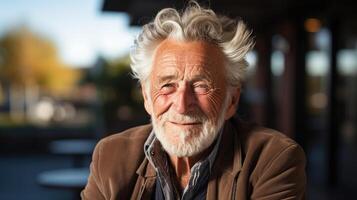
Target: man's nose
pixel 184 99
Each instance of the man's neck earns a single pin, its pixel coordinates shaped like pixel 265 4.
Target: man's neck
pixel 182 166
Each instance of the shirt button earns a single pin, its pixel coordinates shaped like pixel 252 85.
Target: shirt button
pixel 152 153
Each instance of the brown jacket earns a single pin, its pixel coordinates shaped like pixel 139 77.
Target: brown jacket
pixel 252 163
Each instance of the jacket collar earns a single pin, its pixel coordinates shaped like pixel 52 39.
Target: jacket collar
pixel 146 169
pixel 228 164
pixel 229 156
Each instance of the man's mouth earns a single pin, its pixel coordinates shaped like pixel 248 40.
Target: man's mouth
pixel 185 123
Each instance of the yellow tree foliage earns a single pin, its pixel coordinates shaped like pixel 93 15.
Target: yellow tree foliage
pixel 28 59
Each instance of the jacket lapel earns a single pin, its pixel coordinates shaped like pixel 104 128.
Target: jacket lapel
pixel 227 165
pixel 145 182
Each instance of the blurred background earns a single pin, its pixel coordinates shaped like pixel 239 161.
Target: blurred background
pixel 65 83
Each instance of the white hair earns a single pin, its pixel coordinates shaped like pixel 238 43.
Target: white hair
pixel 194 24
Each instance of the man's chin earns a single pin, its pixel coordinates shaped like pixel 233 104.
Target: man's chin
pixel 186 145
pixel 182 152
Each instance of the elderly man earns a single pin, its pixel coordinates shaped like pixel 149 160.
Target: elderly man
pixel 191 66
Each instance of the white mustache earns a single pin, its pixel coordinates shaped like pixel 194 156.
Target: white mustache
pixel 179 118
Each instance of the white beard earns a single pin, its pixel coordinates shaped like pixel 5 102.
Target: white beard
pixel 187 142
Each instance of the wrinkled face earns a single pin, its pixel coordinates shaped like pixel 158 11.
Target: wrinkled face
pixel 187 96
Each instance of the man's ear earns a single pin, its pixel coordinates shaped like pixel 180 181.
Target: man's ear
pixel 233 103
pixel 147 103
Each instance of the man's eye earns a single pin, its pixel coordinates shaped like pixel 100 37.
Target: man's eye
pixel 167 88
pixel 201 88
pixel 167 85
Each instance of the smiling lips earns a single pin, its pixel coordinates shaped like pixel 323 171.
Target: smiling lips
pixel 185 123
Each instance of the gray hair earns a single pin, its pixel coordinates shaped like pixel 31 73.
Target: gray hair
pixel 194 24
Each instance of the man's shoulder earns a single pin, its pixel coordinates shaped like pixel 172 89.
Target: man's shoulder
pixel 262 147
pixel 270 160
pixel 266 138
pixel 117 148
pixel 256 137
pixel 116 159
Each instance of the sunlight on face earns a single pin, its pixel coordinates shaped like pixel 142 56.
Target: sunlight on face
pixel 187 96
pixel 186 140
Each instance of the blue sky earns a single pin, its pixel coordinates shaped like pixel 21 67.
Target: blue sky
pixel 79 28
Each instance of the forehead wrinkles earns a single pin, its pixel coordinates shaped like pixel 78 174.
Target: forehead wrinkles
pixel 168 58
pixel 194 60
pixel 191 61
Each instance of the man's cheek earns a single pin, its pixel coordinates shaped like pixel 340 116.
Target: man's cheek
pixel 161 105
pixel 211 104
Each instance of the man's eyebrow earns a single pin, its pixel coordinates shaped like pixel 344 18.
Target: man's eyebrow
pixel 165 78
pixel 200 77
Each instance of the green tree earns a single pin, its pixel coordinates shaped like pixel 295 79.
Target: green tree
pixel 29 64
pixel 29 59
